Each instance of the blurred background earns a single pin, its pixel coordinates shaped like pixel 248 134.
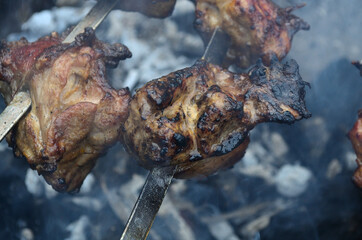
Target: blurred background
pixel 293 183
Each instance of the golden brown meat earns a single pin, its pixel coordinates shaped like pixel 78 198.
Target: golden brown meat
pixel 199 118
pixel 150 8
pixel 355 135
pixel 257 28
pixel 75 114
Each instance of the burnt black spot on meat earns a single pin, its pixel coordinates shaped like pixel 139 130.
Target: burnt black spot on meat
pixel 210 119
pixel 258 73
pixel 195 156
pixel 176 118
pixel 86 38
pixel 279 20
pixel 61 181
pixel 47 167
pixel 232 142
pixel 160 93
pixel 163 151
pixel 198 20
pixel 181 75
pixel 113 53
pixel 180 140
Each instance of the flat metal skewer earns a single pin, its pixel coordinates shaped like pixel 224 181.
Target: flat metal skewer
pixel 13 112
pixel 154 191
pixel 95 16
pixel 22 101
pixel 148 203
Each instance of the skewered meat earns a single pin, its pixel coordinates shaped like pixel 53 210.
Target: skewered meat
pixel 154 8
pixel 199 118
pixel 355 135
pixel 257 28
pixel 75 114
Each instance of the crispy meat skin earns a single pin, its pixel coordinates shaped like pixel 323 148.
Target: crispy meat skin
pixel 75 114
pixel 355 135
pixel 150 8
pixel 257 28
pixel 199 118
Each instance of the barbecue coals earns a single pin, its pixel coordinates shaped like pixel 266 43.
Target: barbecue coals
pixel 75 114
pixel 257 28
pixel 199 117
pixel 154 8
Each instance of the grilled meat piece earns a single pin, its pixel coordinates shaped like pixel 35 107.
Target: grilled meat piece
pixel 75 114
pixel 257 28
pixel 154 8
pixel 355 135
pixel 199 118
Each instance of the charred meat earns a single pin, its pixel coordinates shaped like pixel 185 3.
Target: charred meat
pixel 199 117
pixel 355 135
pixel 257 28
pixel 75 114
pixel 154 8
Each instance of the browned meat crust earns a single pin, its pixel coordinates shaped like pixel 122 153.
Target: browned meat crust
pixel 355 135
pixel 257 28
pixel 154 8
pixel 75 114
pixel 199 117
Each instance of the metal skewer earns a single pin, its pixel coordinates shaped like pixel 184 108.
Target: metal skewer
pixel 22 101
pixel 159 179
pixel 148 203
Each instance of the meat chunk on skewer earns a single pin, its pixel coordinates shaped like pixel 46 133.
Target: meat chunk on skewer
pixel 355 135
pixel 257 28
pixel 75 114
pixel 199 118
